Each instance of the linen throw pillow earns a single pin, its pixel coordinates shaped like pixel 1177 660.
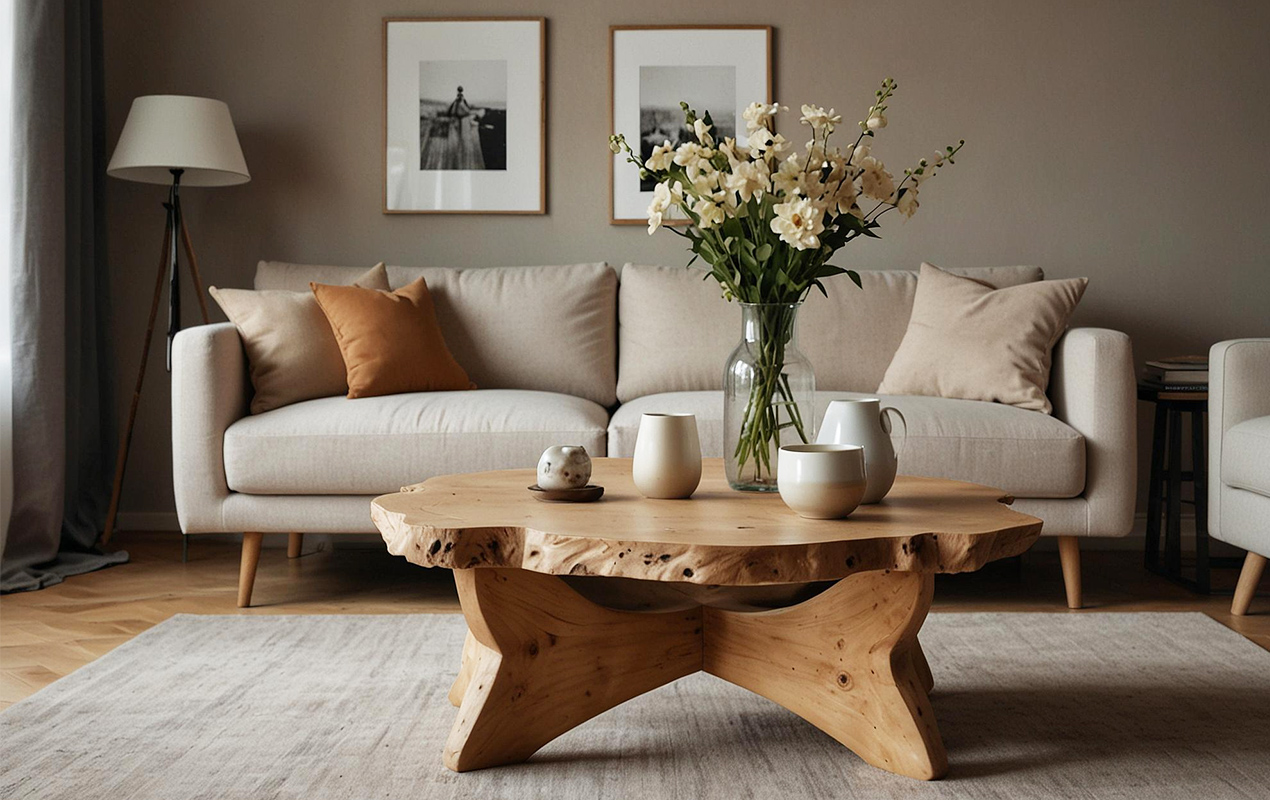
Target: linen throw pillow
pixel 291 352
pixel 391 341
pixel 967 340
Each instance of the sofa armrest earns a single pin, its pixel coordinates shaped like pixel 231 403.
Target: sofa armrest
pixel 210 391
pixel 1093 389
pixel 1238 390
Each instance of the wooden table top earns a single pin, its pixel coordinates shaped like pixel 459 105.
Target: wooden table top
pixel 718 537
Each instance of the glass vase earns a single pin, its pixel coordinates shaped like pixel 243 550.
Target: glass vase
pixel 768 395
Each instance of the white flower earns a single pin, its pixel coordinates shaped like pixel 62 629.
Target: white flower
pixel 759 140
pixel 876 121
pixel 788 178
pixel 709 210
pixel 907 204
pixel 702 130
pixel 704 177
pixel 666 195
pixel 844 198
pixel 690 155
pixel 876 182
pixel 799 223
pixel 819 119
pixel 860 153
pixel 734 150
pixel 759 115
pixel 662 157
pixel 747 179
pixel 654 221
pixel 779 144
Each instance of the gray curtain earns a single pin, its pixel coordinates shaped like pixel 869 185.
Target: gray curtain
pixel 63 415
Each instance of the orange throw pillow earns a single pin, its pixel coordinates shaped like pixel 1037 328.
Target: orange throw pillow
pixel 390 341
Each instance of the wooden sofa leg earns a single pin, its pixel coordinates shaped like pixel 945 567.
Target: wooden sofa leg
pixel 295 542
pixel 1254 565
pixel 1069 555
pixel 247 570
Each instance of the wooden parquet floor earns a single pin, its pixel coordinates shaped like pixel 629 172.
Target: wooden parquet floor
pixel 47 634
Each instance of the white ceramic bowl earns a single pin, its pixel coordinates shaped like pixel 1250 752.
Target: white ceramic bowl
pixel 821 481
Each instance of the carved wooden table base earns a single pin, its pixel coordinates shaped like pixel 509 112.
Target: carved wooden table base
pixel 541 659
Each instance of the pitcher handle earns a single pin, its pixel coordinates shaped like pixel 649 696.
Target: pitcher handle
pixel 887 427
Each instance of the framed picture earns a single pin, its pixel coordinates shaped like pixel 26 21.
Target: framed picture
pixel 465 116
pixel 653 68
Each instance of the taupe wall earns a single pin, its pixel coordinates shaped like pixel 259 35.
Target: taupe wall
pixel 1124 140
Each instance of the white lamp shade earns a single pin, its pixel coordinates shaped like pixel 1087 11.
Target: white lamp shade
pixel 166 131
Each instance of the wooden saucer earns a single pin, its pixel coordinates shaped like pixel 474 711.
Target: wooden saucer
pixel 585 494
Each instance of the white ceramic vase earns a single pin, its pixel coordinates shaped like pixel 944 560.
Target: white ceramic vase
pixel 865 422
pixel 667 461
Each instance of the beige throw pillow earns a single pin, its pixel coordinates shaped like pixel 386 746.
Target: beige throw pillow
pixel 291 350
pixel 967 340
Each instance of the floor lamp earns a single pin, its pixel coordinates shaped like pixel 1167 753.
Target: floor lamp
pixel 171 140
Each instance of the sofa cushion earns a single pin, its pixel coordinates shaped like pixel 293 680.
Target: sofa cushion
pixel 675 331
pixel 970 341
pixel 376 445
pixel 390 341
pixel 1246 456
pixel 292 354
pixel 1012 449
pixel 550 329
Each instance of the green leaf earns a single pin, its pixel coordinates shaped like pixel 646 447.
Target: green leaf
pixel 820 286
pixel 763 252
pixel 855 277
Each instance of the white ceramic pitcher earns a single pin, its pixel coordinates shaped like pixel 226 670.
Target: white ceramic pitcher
pixel 865 422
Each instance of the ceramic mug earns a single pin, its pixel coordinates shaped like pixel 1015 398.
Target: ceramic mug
pixel 821 481
pixel 667 461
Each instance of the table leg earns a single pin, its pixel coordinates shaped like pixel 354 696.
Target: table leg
pixel 1173 534
pixel 1199 481
pixel 1154 501
pixel 544 660
pixel 847 661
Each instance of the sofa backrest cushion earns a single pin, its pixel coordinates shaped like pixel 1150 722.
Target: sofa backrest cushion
pixel 550 328
pixel 675 331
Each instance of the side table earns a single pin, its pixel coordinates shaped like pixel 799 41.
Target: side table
pixel 1164 498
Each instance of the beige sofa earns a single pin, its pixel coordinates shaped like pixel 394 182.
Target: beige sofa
pixel 1239 455
pixel 566 354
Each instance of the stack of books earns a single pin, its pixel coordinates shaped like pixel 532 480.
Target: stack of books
pixel 1179 374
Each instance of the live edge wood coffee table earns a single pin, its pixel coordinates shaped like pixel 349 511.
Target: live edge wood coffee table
pixel 574 608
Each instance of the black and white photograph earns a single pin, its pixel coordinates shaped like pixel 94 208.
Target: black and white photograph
pixel 661 117
pixel 654 69
pixel 465 116
pixel 462 115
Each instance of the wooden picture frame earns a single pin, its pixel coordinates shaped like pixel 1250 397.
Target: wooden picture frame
pixel 622 201
pixel 461 144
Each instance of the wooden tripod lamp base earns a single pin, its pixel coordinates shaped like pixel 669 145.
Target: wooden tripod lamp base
pixel 166 139
pixel 169 269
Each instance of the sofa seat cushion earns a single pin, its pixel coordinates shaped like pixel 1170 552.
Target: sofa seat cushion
pixel 1246 456
pixel 376 445
pixel 1020 452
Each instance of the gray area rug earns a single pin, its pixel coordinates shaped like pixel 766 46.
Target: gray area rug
pixel 1030 706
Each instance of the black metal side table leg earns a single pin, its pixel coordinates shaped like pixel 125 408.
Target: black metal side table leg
pixel 1154 504
pixel 1173 528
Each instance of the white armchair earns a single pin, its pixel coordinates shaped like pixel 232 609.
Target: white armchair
pixel 1239 455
